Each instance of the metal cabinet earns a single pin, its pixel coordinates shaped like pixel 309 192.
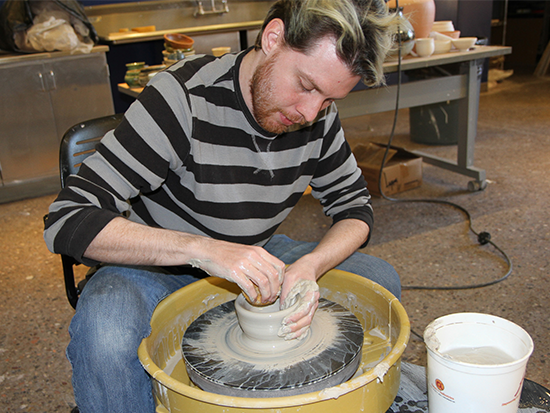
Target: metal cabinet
pixel 40 98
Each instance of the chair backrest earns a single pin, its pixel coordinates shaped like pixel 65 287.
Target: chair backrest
pixel 77 144
pixel 80 141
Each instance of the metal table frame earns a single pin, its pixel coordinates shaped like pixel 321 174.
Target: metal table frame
pixel 464 87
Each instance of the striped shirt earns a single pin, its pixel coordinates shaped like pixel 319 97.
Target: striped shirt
pixel 189 156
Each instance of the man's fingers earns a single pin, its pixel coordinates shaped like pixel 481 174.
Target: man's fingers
pixel 262 286
pixel 272 268
pixel 258 273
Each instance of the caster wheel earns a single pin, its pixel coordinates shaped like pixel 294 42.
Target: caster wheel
pixel 474 186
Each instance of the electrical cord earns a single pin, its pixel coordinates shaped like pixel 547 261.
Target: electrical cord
pixel 482 237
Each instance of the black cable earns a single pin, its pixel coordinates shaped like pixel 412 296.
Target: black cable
pixel 483 237
pixel 419 336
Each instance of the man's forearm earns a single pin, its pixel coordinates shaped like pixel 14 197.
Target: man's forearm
pixel 249 266
pixel 126 242
pixel 340 241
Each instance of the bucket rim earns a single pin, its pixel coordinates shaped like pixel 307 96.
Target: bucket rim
pixel 392 359
pixel 440 322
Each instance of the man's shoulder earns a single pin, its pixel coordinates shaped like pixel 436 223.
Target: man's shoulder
pixel 203 69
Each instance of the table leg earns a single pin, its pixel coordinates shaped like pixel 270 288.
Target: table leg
pixel 467 115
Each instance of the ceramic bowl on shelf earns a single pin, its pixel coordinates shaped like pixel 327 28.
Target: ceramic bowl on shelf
pixel 135 65
pixel 464 43
pixel 133 70
pixel 452 34
pixel 442 46
pixel 147 74
pixel 132 78
pixel 443 26
pixel 179 41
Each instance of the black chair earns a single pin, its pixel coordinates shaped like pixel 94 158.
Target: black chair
pixel 77 144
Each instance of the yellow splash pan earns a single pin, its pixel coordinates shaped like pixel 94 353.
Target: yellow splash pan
pixel 372 389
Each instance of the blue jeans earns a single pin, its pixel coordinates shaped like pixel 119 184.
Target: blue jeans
pixel 113 314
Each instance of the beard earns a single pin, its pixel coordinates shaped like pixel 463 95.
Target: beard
pixel 262 90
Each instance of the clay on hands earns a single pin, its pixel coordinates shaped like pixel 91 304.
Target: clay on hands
pixel 259 301
pixel 306 293
pixel 257 273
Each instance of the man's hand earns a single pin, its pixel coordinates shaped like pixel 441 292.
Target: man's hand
pixel 245 265
pixel 125 242
pixel 300 286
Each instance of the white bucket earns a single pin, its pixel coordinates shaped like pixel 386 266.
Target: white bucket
pixel 476 363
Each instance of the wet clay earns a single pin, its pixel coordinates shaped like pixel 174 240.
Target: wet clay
pixel 219 358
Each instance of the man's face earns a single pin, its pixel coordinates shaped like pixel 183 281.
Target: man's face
pixel 291 87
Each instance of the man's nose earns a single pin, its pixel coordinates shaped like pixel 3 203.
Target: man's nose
pixel 309 108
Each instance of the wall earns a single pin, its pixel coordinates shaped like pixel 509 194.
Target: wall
pixel 472 18
pixel 527 31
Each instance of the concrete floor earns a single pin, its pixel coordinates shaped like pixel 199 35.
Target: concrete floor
pixel 428 245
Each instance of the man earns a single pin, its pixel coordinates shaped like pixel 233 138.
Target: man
pixel 206 164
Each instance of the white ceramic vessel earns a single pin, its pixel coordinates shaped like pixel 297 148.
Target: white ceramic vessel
pixel 464 43
pixel 443 26
pixel 442 46
pixel 425 47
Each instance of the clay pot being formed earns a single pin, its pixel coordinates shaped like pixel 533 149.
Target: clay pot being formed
pixel 260 326
pixel 420 13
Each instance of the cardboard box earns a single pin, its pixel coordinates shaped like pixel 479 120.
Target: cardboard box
pixel 402 169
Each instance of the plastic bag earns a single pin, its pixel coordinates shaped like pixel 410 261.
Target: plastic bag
pixel 46 25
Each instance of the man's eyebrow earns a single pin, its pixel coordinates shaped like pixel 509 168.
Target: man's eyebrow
pixel 312 82
pixel 315 86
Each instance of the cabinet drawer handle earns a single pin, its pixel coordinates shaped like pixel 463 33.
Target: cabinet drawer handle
pixel 52 77
pixel 41 77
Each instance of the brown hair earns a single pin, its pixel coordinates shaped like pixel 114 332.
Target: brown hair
pixel 362 29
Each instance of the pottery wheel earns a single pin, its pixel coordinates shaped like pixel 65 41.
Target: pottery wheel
pixel 218 361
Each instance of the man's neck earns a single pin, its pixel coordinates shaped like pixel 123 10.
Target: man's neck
pixel 247 69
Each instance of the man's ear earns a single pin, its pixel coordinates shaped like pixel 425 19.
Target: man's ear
pixel 273 36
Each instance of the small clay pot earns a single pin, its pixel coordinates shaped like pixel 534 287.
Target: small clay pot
pixel 132 73
pixel 132 77
pixel 260 325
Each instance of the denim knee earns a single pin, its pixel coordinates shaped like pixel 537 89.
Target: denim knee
pixel 112 318
pixel 109 313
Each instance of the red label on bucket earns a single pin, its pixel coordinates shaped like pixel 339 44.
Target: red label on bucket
pixel 438 386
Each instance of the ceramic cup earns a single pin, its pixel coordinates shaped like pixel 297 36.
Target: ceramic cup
pixel 424 46
pixel 260 325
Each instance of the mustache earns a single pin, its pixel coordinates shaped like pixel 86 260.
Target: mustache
pixel 295 119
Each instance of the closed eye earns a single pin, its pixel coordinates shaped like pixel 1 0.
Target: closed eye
pixel 305 89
